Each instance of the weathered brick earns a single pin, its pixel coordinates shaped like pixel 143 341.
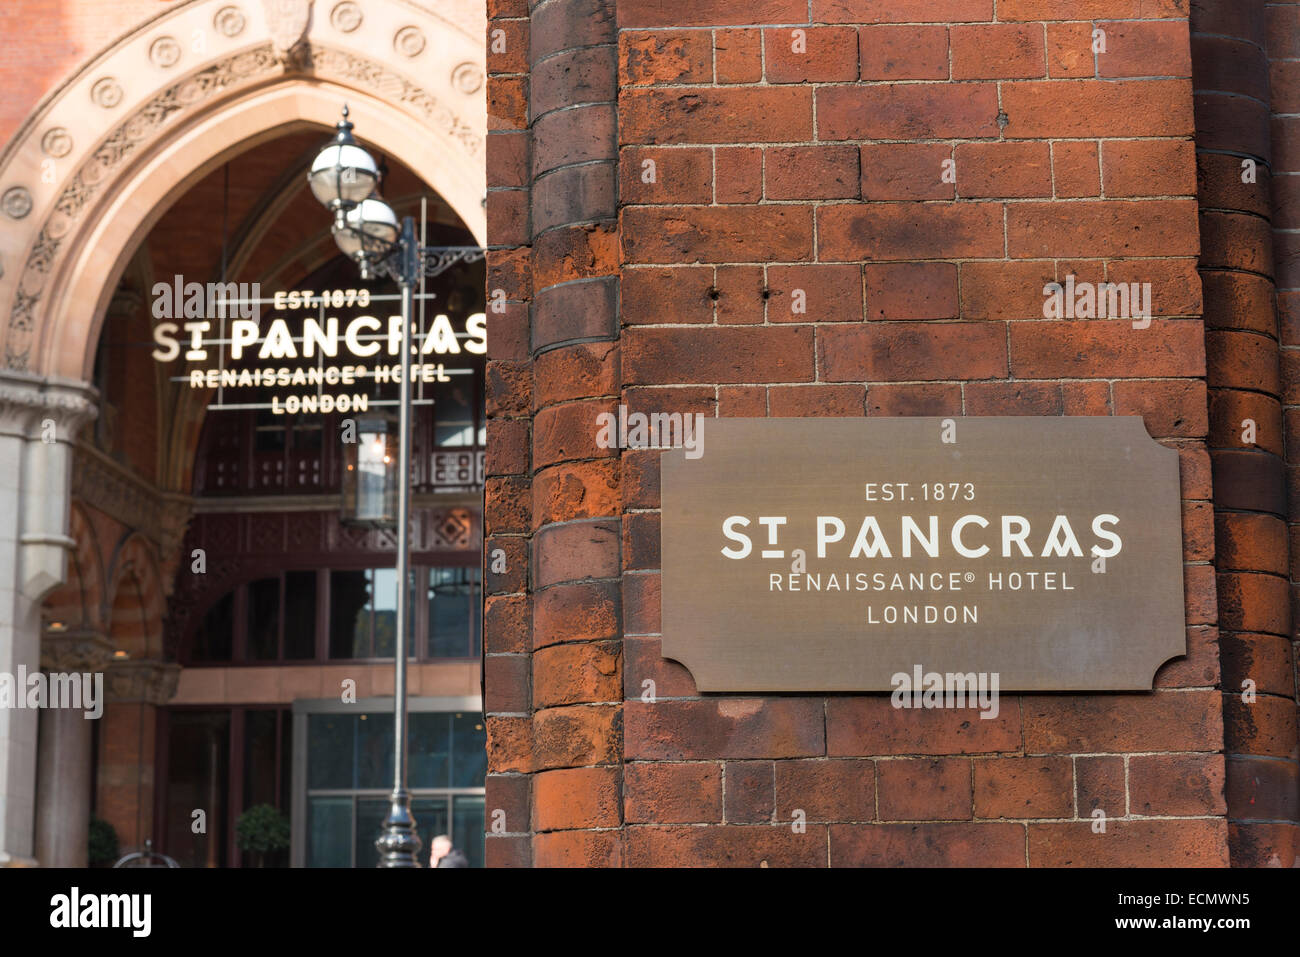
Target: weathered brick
pixel 998 51
pixel 1084 108
pixel 911 789
pixel 1164 721
pixel 1162 785
pixel 963 844
pixel 1145 48
pixel 726 728
pixel 711 115
pixel 748 789
pixel 726 846
pixel 888 231
pixel 1003 169
pixel 1106 349
pixel 911 291
pixel 669 793
pixel 826 790
pixel 911 351
pixel 587 611
pixel 922 398
pixel 1028 787
pixel 910 111
pixel 859 726
pixel 1075 169
pixel 649 57
pixel 1196 843
pixel 814 293
pixel 576 673
pixel 767 354
pixel 574 798
pixel 664 234
pixel 817 55
pixel 811 172
pixel 577 736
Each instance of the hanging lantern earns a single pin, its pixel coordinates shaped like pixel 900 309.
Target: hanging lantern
pixel 370 473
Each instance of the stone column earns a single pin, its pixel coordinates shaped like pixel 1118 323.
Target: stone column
pixel 39 418
pixel 63 764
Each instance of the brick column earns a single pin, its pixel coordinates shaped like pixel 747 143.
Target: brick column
pixel 1282 33
pixel 1230 76
pixel 552 500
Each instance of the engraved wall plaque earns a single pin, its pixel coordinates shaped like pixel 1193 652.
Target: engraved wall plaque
pixel 1047 550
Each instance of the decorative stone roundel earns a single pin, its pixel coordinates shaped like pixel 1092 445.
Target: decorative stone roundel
pixel 106 93
pixel 467 77
pixel 409 41
pixel 346 16
pixel 16 202
pixel 229 21
pixel 56 142
pixel 164 52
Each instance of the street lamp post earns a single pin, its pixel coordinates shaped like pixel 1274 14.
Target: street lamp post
pixel 343 177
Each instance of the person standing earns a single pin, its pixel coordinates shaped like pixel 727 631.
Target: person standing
pixel 442 853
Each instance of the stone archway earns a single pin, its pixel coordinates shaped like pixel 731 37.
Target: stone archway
pixel 153 115
pixel 95 165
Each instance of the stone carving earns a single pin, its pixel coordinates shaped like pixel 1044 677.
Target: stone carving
pixel 229 21
pixel 106 486
pixel 409 41
pixel 75 650
pixel 346 16
pixel 396 88
pixel 57 142
pixel 467 77
pixel 287 21
pixel 152 682
pixel 16 202
pixel 25 397
pixel 106 92
pixel 83 185
pixel 128 137
pixel 165 52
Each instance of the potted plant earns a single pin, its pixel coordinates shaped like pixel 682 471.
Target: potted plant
pixel 104 850
pixel 262 830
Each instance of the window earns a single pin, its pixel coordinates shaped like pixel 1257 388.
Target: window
pixel 454 605
pixel 340 614
pixel 345 777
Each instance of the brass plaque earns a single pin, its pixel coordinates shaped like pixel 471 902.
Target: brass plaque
pixel 835 554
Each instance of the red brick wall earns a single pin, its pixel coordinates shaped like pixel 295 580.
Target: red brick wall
pixel 821 169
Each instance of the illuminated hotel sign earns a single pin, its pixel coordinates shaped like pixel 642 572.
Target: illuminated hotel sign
pixel 837 554
pixel 339 342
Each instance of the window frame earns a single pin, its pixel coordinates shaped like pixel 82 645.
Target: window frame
pixel 303 709
pixel 419 652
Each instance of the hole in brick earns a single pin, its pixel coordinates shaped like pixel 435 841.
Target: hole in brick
pixel 767 294
pixel 715 295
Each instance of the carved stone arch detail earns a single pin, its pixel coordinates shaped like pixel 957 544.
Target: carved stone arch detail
pixel 134 118
pixel 137 586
